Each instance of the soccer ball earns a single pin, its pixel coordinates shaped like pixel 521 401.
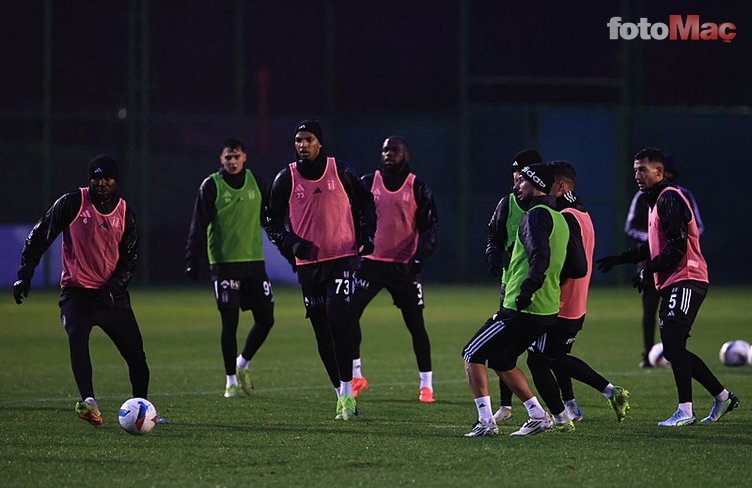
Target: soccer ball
pixel 734 353
pixel 656 357
pixel 137 416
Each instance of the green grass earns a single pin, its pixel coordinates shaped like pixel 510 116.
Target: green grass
pixel 285 434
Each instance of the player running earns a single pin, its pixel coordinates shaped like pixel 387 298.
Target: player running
pixel 321 218
pixel 680 273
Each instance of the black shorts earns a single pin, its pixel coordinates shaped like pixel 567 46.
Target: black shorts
pixel 80 312
pixel 372 276
pixel 249 293
pixel 558 341
pixel 504 337
pixel 680 303
pixel 330 281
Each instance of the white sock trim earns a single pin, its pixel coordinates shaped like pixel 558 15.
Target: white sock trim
pixel 426 379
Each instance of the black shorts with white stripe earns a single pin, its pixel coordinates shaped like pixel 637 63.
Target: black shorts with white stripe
pixel 680 303
pixel 558 341
pixel 504 337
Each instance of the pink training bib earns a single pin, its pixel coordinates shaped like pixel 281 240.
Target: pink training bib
pixel 396 233
pixel 320 212
pixel 91 245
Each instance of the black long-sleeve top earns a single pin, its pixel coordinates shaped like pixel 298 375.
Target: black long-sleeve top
pixel 426 218
pixel 535 228
pixel 204 212
pixel 497 250
pixel 277 221
pixel 636 224
pixel 59 216
pixel 575 264
pixel 674 216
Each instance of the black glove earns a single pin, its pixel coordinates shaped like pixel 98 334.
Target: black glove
pixel 638 281
pixel 303 249
pixel 192 272
pixel 648 280
pixel 365 247
pixel 494 264
pixel 522 302
pixel 21 289
pixel 415 266
pixel 604 265
pixel 106 298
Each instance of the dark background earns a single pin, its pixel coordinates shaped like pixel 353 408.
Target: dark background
pixel 159 85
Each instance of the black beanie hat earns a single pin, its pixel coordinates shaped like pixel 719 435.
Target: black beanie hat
pixel 103 166
pixel 312 126
pixel 540 175
pixel 525 158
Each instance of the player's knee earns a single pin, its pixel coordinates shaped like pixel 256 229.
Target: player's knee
pixel 265 320
pixel 537 361
pixel 671 350
pixel 136 359
pixel 317 317
pixel 472 356
pixel 77 335
pixel 415 324
pixel 674 339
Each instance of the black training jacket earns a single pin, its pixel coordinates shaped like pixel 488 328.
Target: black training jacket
pixel 674 216
pixel 204 212
pixel 59 217
pixel 575 264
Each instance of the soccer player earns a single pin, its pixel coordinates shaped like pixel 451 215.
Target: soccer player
pixel 406 235
pixel 227 222
pixel 531 303
pixel 636 227
pixel 551 353
pixel 331 219
pixel 502 232
pixel 680 273
pixel 100 252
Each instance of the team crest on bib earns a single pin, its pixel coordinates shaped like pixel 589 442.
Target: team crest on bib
pixel 330 184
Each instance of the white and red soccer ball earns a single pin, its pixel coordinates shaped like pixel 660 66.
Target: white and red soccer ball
pixel 137 416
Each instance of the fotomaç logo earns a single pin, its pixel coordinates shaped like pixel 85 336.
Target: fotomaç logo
pixel 677 29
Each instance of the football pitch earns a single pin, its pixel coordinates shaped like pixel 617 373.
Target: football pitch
pixel 285 434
